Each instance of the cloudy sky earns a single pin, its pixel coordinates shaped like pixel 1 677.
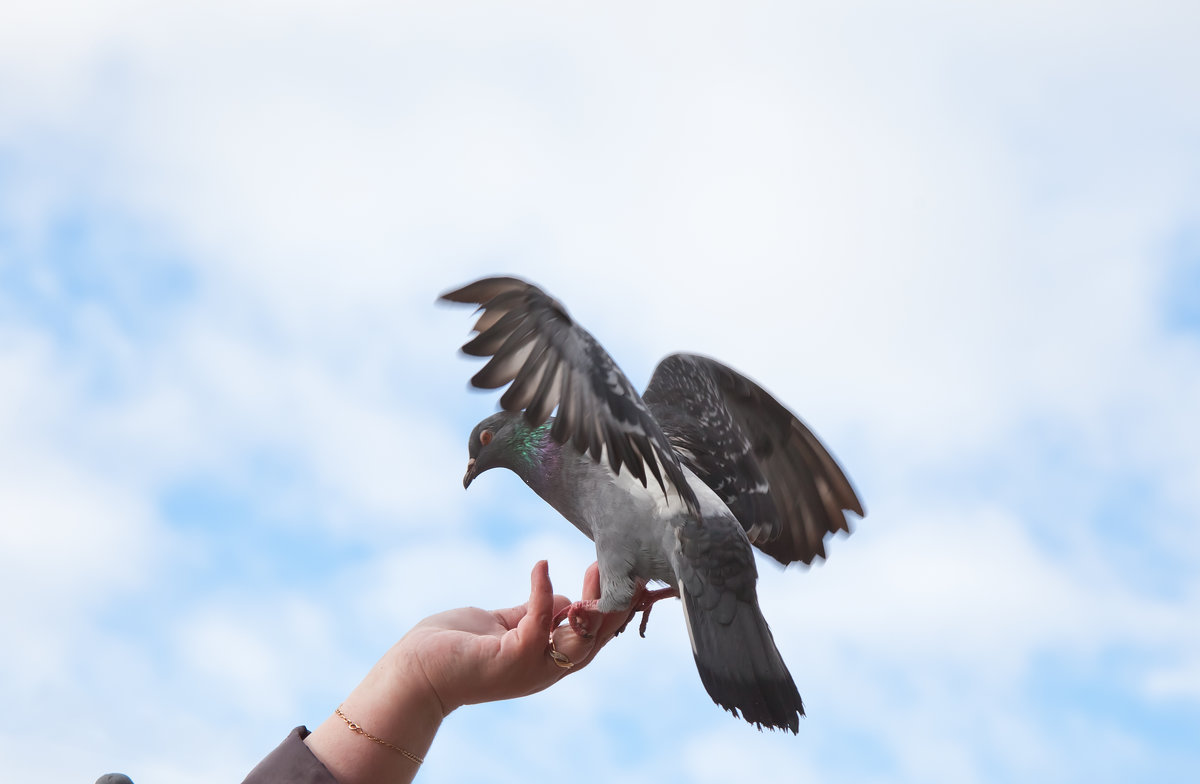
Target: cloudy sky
pixel 961 240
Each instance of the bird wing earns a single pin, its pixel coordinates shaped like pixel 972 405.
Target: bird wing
pixel 776 477
pixel 553 362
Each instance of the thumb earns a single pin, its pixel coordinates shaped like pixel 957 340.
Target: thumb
pixel 534 627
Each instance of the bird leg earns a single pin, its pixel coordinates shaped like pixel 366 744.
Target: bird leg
pixel 643 603
pixel 584 617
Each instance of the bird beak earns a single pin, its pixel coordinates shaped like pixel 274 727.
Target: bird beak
pixel 470 473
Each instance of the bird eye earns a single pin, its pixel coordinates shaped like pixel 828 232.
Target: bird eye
pixel 485 438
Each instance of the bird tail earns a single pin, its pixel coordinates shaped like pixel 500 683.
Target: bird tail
pixel 738 662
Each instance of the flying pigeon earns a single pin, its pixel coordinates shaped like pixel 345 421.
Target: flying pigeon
pixel 673 486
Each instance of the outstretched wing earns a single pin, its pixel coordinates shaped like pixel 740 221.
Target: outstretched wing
pixel 553 362
pixel 770 470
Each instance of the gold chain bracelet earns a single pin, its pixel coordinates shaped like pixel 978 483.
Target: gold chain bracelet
pixel 359 730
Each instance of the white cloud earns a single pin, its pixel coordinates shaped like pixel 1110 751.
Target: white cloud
pixel 932 231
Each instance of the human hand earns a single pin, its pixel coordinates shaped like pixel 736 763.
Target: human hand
pixel 454 658
pixel 471 655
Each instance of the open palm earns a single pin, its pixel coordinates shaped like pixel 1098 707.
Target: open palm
pixel 471 655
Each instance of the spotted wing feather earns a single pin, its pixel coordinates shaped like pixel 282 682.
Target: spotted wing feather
pixel 777 478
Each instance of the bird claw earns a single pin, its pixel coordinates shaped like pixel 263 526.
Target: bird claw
pixel 643 603
pixel 582 616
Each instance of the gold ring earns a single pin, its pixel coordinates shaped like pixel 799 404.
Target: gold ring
pixel 560 659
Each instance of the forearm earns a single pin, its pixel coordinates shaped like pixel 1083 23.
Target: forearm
pixel 394 703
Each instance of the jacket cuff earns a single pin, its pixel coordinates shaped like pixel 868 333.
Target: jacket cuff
pixel 291 762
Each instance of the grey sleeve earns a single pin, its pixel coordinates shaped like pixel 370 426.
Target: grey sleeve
pixel 291 763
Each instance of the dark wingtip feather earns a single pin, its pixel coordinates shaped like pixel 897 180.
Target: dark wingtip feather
pixel 483 290
pixel 552 363
pixel 486 378
pixel 484 344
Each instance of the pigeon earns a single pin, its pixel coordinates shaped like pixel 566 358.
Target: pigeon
pixel 674 486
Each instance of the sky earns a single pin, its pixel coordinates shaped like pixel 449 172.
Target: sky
pixel 961 240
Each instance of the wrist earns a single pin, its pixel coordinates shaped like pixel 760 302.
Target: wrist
pixel 396 708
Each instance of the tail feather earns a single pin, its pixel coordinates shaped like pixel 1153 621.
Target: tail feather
pixel 739 664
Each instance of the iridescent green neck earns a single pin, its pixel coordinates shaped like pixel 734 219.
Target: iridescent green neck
pixel 528 442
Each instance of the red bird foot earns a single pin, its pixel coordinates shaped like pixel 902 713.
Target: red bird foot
pixel 582 616
pixel 645 603
pixel 642 602
pixel 585 619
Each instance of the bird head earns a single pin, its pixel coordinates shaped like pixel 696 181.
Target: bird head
pixel 491 444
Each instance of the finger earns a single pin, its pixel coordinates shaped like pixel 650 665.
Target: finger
pixel 612 621
pixel 579 650
pixel 512 616
pixel 611 624
pixel 561 603
pixel 591 582
pixel 576 649
pixel 535 625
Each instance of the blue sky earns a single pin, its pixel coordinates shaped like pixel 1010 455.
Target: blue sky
pixel 959 241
